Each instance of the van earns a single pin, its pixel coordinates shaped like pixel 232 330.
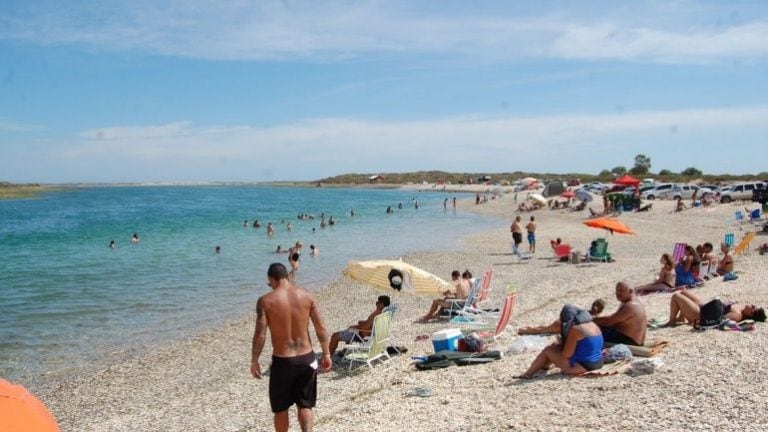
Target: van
pixel 740 191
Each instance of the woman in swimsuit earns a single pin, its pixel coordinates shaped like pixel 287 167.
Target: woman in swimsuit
pixel 666 279
pixel 581 349
pixel 684 270
pixel 726 263
pixel 684 307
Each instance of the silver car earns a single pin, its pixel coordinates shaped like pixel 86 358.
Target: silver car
pixel 685 192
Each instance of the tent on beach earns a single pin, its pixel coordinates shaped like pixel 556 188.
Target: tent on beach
pixel 553 188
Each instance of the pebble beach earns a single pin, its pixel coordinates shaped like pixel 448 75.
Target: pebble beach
pixel 712 380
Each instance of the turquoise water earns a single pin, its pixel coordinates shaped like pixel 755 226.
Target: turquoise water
pixel 69 301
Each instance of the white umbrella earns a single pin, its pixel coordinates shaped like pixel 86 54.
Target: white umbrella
pixel 538 197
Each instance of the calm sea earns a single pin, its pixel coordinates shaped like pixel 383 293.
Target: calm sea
pixel 68 301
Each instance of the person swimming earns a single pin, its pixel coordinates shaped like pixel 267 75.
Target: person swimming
pixel 135 238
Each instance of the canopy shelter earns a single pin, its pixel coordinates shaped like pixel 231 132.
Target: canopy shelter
pixel 627 180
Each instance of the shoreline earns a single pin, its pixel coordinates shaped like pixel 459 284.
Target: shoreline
pixel 202 383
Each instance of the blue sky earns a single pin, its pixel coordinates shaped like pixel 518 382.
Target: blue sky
pixel 108 91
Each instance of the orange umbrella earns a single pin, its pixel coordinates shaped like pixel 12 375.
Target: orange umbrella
pixel 612 225
pixel 21 411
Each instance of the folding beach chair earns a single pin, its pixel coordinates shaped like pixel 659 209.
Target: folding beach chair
pixel 743 246
pixel 729 240
pixel 601 251
pixel 563 252
pixel 678 252
pixel 459 306
pixel 499 330
pixel 738 216
pixel 485 289
pixel 376 347
pixel 754 215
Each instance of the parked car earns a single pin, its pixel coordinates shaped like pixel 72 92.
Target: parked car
pixel 684 192
pixel 647 188
pixel 740 191
pixel 656 191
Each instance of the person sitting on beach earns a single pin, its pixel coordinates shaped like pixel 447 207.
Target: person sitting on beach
pixel 461 286
pixel 595 310
pixel 628 324
pixel 684 307
pixel 687 269
pixel 580 347
pixel 360 330
pixel 725 265
pixel 555 243
pixel 680 206
pixel 666 279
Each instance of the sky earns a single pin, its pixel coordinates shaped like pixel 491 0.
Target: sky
pixel 146 91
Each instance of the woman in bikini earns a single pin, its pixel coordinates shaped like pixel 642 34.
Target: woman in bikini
pixel 684 307
pixel 666 279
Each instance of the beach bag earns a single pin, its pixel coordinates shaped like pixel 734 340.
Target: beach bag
pixel 711 314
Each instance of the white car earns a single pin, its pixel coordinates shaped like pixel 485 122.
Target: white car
pixel 741 191
pixel 685 192
pixel 657 191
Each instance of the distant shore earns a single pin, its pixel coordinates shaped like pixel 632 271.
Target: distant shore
pixel 18 191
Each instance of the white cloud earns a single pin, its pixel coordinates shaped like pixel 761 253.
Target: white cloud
pixel 314 148
pixel 332 30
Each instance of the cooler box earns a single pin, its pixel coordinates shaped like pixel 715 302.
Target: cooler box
pixel 447 339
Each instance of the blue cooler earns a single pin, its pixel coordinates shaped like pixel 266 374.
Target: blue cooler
pixel 447 339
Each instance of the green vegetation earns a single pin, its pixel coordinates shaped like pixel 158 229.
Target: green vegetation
pixel 642 165
pixel 16 191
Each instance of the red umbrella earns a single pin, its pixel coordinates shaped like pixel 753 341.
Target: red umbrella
pixel 568 194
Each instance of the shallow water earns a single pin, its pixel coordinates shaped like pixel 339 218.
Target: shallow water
pixel 68 301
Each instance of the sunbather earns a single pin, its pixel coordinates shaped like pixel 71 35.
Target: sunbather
pixel 461 286
pixel 361 329
pixel 680 205
pixel 686 271
pixel 684 307
pixel 628 324
pixel 595 310
pixel 726 262
pixel 580 347
pixel 666 279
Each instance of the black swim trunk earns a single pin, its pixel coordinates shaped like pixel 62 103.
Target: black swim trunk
pixel 293 380
pixel 517 237
pixel 612 335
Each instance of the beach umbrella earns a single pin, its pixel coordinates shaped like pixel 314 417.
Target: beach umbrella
pixel 528 180
pixel 539 198
pixel 567 194
pixel 20 411
pixel 612 225
pixel 396 275
pixel 583 195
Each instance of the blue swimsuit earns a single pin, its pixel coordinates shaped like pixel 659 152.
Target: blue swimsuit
pixel 589 352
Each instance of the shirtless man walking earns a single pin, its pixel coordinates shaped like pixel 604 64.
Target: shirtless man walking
pixel 286 311
pixel 517 234
pixel 628 324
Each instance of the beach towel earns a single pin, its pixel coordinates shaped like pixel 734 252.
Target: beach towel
pixel 608 369
pixel 650 349
pixel 446 358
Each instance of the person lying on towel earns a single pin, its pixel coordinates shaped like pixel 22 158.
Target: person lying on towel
pixel 684 307
pixel 628 324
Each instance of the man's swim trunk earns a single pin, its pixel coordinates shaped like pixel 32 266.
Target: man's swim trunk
pixel 531 237
pixel 517 237
pixel 349 336
pixel 293 380
pixel 610 334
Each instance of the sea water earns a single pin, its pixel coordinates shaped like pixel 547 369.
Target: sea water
pixel 68 301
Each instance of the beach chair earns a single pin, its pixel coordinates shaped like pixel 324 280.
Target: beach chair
pixel 738 216
pixel 499 330
pixel 679 252
pixel 729 240
pixel 376 347
pixel 600 252
pixel 563 252
pixel 754 215
pixel 485 289
pixel 743 247
pixel 457 306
